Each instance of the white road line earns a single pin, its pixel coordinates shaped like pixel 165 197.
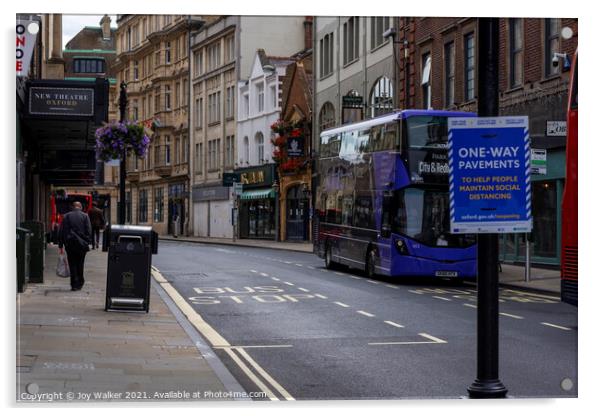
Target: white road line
pixel 470 305
pixel 275 278
pixel 556 326
pixel 392 287
pixel 353 277
pixel 432 338
pixel 253 346
pixel 265 375
pixel 264 274
pixel 415 291
pixel 288 262
pixel 311 267
pixel 340 274
pixel 303 289
pixel 442 298
pixel 289 283
pixel 365 313
pixel 394 324
pixel 532 294
pixel 341 304
pixel 511 316
pixel 320 296
pixel 254 271
pixel 250 374
pixel 323 270
pixel 297 264
pixel 373 281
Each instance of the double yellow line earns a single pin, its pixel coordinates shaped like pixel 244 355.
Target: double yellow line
pixel 266 383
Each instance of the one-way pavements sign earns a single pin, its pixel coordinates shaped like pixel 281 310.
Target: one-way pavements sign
pixel 489 175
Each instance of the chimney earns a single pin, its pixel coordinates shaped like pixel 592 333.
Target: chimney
pixel 308 27
pixel 105 24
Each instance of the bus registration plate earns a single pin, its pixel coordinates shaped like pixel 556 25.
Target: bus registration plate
pixel 443 273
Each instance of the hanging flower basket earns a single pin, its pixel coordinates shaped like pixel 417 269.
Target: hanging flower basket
pixel 113 138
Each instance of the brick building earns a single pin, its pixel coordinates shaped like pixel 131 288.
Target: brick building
pixel 295 182
pixel 438 70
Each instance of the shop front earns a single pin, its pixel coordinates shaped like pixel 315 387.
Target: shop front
pixel 212 211
pixel 257 204
pixel 546 196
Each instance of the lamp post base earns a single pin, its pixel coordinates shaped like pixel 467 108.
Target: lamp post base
pixel 487 389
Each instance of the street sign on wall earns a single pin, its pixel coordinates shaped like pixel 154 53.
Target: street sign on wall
pixel 61 101
pixel 228 178
pixel 489 174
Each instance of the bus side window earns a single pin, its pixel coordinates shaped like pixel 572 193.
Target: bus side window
pixel 339 209
pixel 347 210
pixel 390 137
pixel 376 138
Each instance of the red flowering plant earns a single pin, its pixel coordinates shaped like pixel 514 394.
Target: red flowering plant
pixel 286 129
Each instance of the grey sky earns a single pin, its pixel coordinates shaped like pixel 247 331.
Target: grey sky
pixel 72 24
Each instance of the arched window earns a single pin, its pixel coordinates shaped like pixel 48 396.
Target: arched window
pixel 327 117
pixel 259 144
pixel 246 150
pixel 381 97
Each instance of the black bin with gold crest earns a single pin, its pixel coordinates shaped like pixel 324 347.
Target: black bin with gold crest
pixel 130 249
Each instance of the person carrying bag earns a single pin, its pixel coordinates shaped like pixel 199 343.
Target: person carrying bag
pixel 75 235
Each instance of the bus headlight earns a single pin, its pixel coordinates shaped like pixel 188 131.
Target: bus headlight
pixel 401 247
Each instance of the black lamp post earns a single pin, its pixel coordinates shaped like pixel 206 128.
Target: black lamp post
pixel 123 99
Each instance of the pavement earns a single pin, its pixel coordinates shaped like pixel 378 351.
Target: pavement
pixel 70 349
pixel 511 276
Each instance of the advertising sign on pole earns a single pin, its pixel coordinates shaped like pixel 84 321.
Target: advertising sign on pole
pixel 26 32
pixel 489 174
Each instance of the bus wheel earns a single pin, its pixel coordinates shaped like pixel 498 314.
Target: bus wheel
pixel 371 263
pixel 328 257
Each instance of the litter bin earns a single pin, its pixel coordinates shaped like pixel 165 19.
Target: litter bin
pixel 130 249
pixel 37 247
pixel 23 256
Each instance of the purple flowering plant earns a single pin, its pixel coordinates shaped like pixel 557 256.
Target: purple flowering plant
pixel 115 137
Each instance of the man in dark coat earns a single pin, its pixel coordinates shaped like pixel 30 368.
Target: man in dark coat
pixel 98 222
pixel 75 235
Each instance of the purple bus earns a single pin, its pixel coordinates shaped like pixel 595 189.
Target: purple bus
pixel 382 198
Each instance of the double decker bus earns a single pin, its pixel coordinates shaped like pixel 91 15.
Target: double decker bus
pixel 60 204
pixel 382 201
pixel 568 257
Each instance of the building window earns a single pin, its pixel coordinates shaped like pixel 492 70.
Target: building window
pixel 326 55
pixel 273 97
pixel 327 116
pixel 450 73
pixel 469 69
pixel 198 63
pixel 88 66
pixel 552 45
pixel 167 19
pixel 247 150
pixel 198 158
pixel 199 113
pixel 167 52
pixel 229 157
pixel 379 25
pixel 381 97
pixel 259 90
pixel 230 102
pixel 167 97
pixel 158 217
pixel 135 110
pixel 177 50
pixel 426 80
pixel 129 39
pixel 214 149
pixel 213 59
pixel 246 105
pixel 259 144
pixel 214 108
pixel 229 54
pixel 157 100
pixel 516 52
pixel 136 71
pixel 143 206
pixel 351 40
pixel 167 150
pixel 177 95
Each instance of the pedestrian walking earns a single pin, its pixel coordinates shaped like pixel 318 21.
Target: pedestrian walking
pixel 98 223
pixel 75 236
pixel 176 224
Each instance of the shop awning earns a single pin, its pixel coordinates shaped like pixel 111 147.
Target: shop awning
pixel 258 194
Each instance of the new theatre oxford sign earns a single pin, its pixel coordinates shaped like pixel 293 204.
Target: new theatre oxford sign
pixel 61 101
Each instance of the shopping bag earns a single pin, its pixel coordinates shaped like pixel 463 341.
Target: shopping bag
pixel 62 266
